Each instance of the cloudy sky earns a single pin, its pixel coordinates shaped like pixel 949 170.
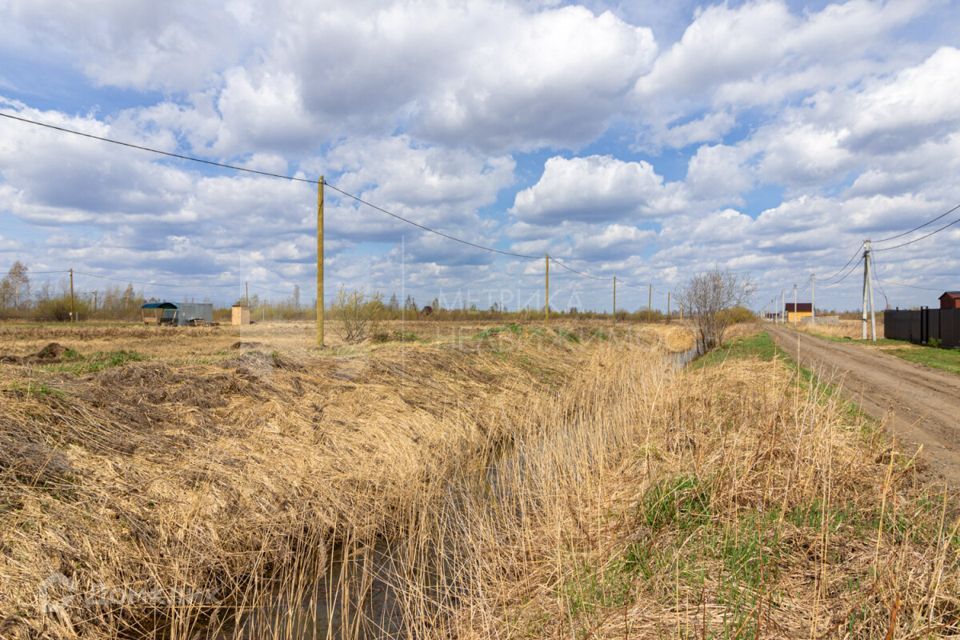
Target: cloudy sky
pixel 648 140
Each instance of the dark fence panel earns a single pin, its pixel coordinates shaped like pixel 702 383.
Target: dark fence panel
pixel 921 326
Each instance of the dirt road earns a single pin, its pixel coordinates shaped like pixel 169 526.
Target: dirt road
pixel 920 406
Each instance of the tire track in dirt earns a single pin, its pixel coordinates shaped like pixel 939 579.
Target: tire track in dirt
pixel 918 405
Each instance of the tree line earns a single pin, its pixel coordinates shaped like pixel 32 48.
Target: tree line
pixel 20 299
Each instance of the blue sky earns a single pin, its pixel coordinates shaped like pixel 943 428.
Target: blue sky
pixel 643 140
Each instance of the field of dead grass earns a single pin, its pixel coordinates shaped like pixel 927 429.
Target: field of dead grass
pixel 850 329
pixel 490 481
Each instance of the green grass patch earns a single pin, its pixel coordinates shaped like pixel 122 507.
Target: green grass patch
pixel 569 336
pixel 76 364
pixel 945 359
pixel 513 328
pixel 760 346
pixel 36 389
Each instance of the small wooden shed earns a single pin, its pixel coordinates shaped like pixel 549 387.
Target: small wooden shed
pixel 239 314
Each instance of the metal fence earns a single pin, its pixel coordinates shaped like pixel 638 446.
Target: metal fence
pixel 923 325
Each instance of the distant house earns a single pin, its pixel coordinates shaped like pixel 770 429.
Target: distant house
pixel 798 311
pixel 177 313
pixel 950 300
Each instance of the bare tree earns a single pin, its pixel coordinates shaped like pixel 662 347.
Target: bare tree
pixel 19 283
pixel 709 297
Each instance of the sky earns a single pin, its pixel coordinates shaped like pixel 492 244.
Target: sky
pixel 645 140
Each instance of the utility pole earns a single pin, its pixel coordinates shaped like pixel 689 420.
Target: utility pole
pixel 796 316
pixel 668 306
pixel 813 298
pixel 320 262
pixel 73 304
pixel 863 302
pixel 868 252
pixel 783 308
pixel 649 298
pixel 614 299
pixel 546 306
pixel 95 296
pixel 246 294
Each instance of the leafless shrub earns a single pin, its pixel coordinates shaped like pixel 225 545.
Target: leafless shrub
pixel 358 314
pixel 709 297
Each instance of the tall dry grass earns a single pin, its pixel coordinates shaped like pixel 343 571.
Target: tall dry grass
pixel 850 329
pixel 515 487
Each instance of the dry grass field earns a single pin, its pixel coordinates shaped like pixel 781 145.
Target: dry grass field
pixel 452 481
pixel 850 329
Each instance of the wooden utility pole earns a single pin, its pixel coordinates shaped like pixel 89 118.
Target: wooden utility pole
pixel 649 298
pixel 668 305
pixel 246 294
pixel 614 299
pixel 546 306
pixel 320 262
pixel 73 303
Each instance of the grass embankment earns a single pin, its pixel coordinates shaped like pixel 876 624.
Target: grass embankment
pixel 945 359
pixel 518 485
pixel 745 500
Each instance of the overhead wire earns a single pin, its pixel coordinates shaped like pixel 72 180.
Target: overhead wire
pixel 855 255
pixel 923 237
pixel 347 194
pixel 157 284
pixel 268 174
pixel 579 273
pixel 852 268
pixel 917 228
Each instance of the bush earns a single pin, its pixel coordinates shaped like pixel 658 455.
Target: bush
pixel 358 315
pixel 736 315
pixel 58 309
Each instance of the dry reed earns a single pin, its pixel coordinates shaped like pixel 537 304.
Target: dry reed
pixel 524 484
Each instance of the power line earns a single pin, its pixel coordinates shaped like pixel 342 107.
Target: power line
pixel 156 284
pixel 268 174
pixel 157 151
pixel 431 230
pixel 852 258
pixel 906 233
pixel 923 237
pixel 852 268
pixel 579 273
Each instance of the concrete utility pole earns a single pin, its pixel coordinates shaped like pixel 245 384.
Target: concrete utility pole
pixel 614 299
pixel 868 295
pixel 873 313
pixel 546 306
pixel 783 308
pixel 73 303
pixel 796 316
pixel 246 294
pixel 813 298
pixel 320 262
